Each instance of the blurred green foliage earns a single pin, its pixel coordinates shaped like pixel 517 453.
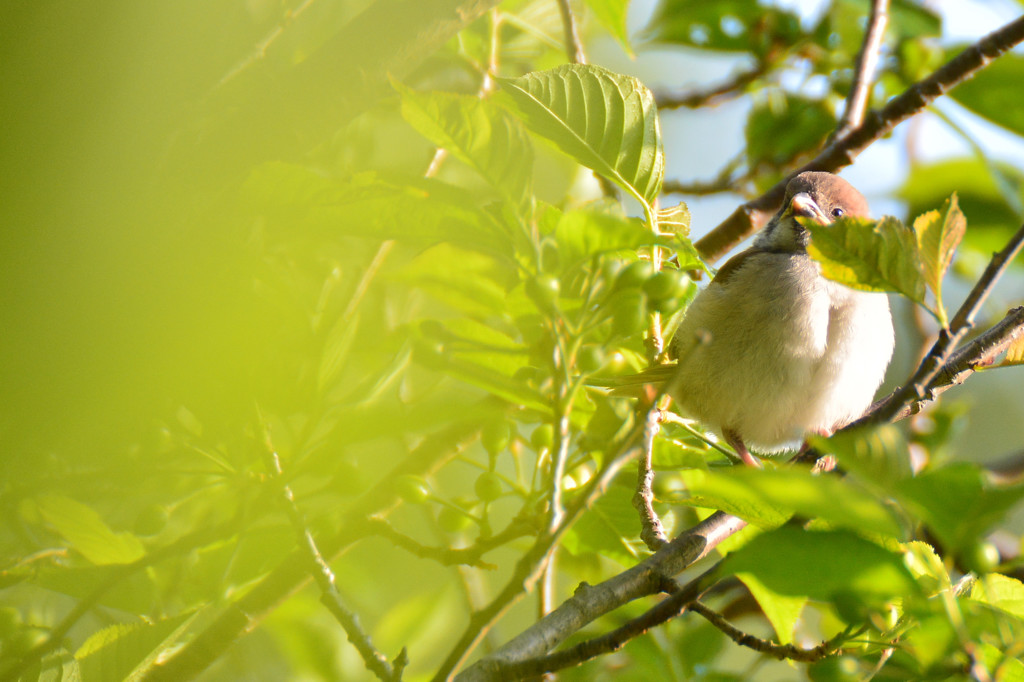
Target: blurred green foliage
pixel 218 222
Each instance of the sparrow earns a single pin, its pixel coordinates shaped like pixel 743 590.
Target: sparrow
pixel 771 350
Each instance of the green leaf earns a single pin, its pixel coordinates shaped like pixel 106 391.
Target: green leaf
pixel 986 191
pixel 581 234
pixel 604 528
pixel 957 502
pixel 823 565
pixel 479 133
pixel 877 454
pixel 726 25
pixel 994 92
pixel 123 651
pixel 938 234
pixel 782 128
pixel 606 121
pixel 87 533
pixel 295 199
pixel 869 255
pixel 1000 591
pixel 786 492
pixel 612 15
pixel 782 611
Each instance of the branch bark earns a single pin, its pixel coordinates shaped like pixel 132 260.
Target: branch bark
pixel 752 215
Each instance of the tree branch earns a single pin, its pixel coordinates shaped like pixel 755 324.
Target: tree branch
pixel 573 46
pixel 666 610
pixel 651 531
pixel 713 95
pixel 752 215
pixel 651 576
pixel 863 74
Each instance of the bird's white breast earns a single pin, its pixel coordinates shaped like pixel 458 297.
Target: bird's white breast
pixel 789 352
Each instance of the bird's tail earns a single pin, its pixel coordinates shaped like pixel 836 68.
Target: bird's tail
pixel 644 384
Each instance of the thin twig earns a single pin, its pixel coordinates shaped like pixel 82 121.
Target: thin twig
pixel 711 96
pixel 651 531
pixel 466 556
pixel 373 659
pixel 962 322
pixel 779 651
pixel 292 573
pixel 980 352
pixel 752 215
pixel 863 74
pixel 573 46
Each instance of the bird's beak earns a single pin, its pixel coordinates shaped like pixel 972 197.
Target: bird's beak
pixel 802 206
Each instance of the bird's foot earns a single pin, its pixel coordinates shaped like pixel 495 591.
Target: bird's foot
pixel 740 447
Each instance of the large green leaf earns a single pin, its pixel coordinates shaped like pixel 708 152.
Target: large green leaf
pixel 606 121
pixel 479 133
pixel 727 25
pixel 825 565
pixel 796 491
pixel 995 92
pixel 779 130
pixel 86 532
pixel 782 610
pixel 957 502
pixel 986 193
pixel 604 529
pixel 868 255
pixel 581 234
pixel 879 454
pixel 296 198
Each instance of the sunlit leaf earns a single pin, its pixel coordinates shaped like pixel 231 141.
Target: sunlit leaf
pixel 581 234
pixel 938 234
pixel 823 565
pixel 986 192
pixel 606 121
pixel 783 611
pixel 612 15
pixel 87 532
pixel 1015 353
pixel 797 491
pixel 479 133
pixel 1001 591
pixel 869 255
pixel 878 454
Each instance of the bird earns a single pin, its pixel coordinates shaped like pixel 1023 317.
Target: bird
pixel 771 351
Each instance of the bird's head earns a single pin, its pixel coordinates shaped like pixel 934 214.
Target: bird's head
pixel 822 197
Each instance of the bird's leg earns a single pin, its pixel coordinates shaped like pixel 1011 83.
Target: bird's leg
pixel 824 463
pixel 733 439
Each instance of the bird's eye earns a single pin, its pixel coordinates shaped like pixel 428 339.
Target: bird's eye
pixel 837 212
